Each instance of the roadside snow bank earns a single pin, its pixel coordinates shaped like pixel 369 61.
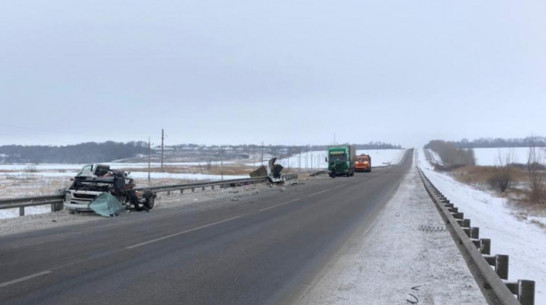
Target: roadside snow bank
pixel 524 241
pixel 392 259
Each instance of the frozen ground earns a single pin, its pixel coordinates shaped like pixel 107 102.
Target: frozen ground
pixel 522 239
pixel 391 261
pixel 316 159
pixel 490 156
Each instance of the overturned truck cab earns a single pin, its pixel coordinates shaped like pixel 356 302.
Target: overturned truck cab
pixel 272 172
pixel 96 179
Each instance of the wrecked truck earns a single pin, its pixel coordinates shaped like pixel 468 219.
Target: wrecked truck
pixel 272 171
pixel 107 192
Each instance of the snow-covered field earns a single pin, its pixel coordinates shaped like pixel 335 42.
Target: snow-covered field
pixel 490 156
pixel 521 239
pixel 135 175
pixel 383 157
pixel 316 159
pixel 28 167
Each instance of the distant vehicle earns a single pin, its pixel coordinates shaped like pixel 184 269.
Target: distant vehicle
pixel 341 160
pixel 95 179
pixel 363 163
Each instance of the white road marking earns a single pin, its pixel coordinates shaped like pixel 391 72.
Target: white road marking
pixel 180 233
pixel 26 278
pixel 278 205
pixel 318 193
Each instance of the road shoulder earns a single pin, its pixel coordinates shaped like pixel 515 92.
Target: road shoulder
pixel 395 261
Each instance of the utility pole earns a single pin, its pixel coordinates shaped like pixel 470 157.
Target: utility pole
pixel 221 164
pixel 149 158
pixel 262 153
pixel 162 147
pixel 334 138
pixel 299 161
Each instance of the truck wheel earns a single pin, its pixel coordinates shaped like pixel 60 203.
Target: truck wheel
pixel 150 200
pixel 333 174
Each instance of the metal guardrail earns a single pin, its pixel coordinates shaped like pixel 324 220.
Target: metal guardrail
pixel 488 271
pixel 56 201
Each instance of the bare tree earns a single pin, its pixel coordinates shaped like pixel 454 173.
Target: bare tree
pixel 502 177
pixel 535 176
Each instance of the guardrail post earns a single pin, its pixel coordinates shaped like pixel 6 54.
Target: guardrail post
pixel 501 266
pixel 56 206
pixel 474 232
pixel 181 191
pixel 202 188
pixel 485 246
pixel 526 292
pixel 212 187
pixel 21 211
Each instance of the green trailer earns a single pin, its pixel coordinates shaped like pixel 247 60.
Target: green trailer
pixel 341 160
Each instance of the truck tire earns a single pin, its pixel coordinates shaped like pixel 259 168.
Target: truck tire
pixel 150 200
pixel 333 174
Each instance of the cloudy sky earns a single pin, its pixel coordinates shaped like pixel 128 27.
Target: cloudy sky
pixel 292 72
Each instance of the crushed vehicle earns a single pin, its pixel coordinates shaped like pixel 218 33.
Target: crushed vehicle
pixel 85 194
pixel 272 171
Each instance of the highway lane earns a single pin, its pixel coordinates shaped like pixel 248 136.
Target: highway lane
pixel 261 250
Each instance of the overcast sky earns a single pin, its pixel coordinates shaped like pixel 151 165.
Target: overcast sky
pixel 282 72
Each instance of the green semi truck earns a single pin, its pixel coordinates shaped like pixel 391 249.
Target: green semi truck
pixel 341 160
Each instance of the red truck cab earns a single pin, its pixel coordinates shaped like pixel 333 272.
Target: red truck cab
pixel 363 163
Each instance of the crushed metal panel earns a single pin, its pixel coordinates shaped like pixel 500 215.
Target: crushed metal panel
pixel 107 205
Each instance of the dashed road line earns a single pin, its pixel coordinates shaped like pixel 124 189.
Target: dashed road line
pixel 318 193
pixel 181 233
pixel 278 205
pixel 25 278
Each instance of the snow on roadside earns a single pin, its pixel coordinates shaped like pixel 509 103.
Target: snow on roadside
pixel 490 156
pixel 12 213
pixel 391 259
pixel 523 241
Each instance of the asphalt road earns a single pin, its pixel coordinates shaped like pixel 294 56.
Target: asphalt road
pixel 263 249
